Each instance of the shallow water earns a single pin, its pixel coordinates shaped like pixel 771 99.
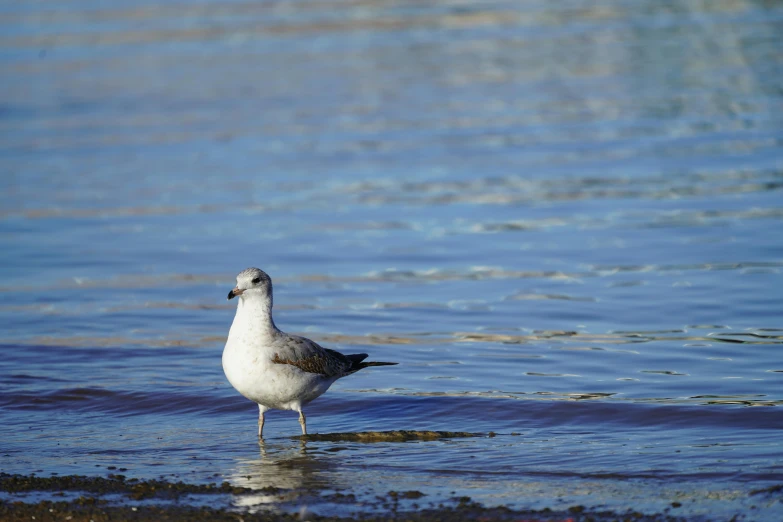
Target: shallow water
pixel 562 220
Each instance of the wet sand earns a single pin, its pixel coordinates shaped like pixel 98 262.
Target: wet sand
pixel 107 499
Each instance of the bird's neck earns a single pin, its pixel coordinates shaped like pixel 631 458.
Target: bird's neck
pixel 256 313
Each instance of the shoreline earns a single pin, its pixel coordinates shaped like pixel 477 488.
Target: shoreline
pixel 100 499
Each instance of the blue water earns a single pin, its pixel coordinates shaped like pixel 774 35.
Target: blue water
pixel 562 220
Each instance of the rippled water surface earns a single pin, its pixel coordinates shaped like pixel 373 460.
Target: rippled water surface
pixel 563 220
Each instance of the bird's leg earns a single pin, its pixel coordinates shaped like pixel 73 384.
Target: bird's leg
pixel 261 411
pixel 303 422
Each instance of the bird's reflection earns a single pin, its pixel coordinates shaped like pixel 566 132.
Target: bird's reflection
pixel 294 449
pixel 283 472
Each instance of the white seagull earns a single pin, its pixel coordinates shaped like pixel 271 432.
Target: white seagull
pixel 274 369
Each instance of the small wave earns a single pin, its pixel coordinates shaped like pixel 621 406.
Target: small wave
pixel 583 410
pixel 122 402
pixel 459 409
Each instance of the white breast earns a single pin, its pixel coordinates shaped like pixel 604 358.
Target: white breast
pixel 247 363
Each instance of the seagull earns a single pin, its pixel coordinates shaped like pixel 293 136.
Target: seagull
pixel 274 369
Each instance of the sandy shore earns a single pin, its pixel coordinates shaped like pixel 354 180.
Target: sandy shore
pixel 99 499
pixel 87 512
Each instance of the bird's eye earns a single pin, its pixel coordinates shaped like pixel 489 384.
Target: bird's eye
pixel 256 280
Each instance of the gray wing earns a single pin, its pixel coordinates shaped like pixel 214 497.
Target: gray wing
pixel 310 357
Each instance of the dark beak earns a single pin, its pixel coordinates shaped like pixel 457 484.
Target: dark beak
pixel 233 293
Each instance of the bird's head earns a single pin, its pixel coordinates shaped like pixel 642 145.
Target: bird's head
pixel 252 282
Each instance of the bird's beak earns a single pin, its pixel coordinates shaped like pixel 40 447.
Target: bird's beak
pixel 235 292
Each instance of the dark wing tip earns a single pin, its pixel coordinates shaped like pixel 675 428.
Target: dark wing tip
pixel 356 358
pixel 362 365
